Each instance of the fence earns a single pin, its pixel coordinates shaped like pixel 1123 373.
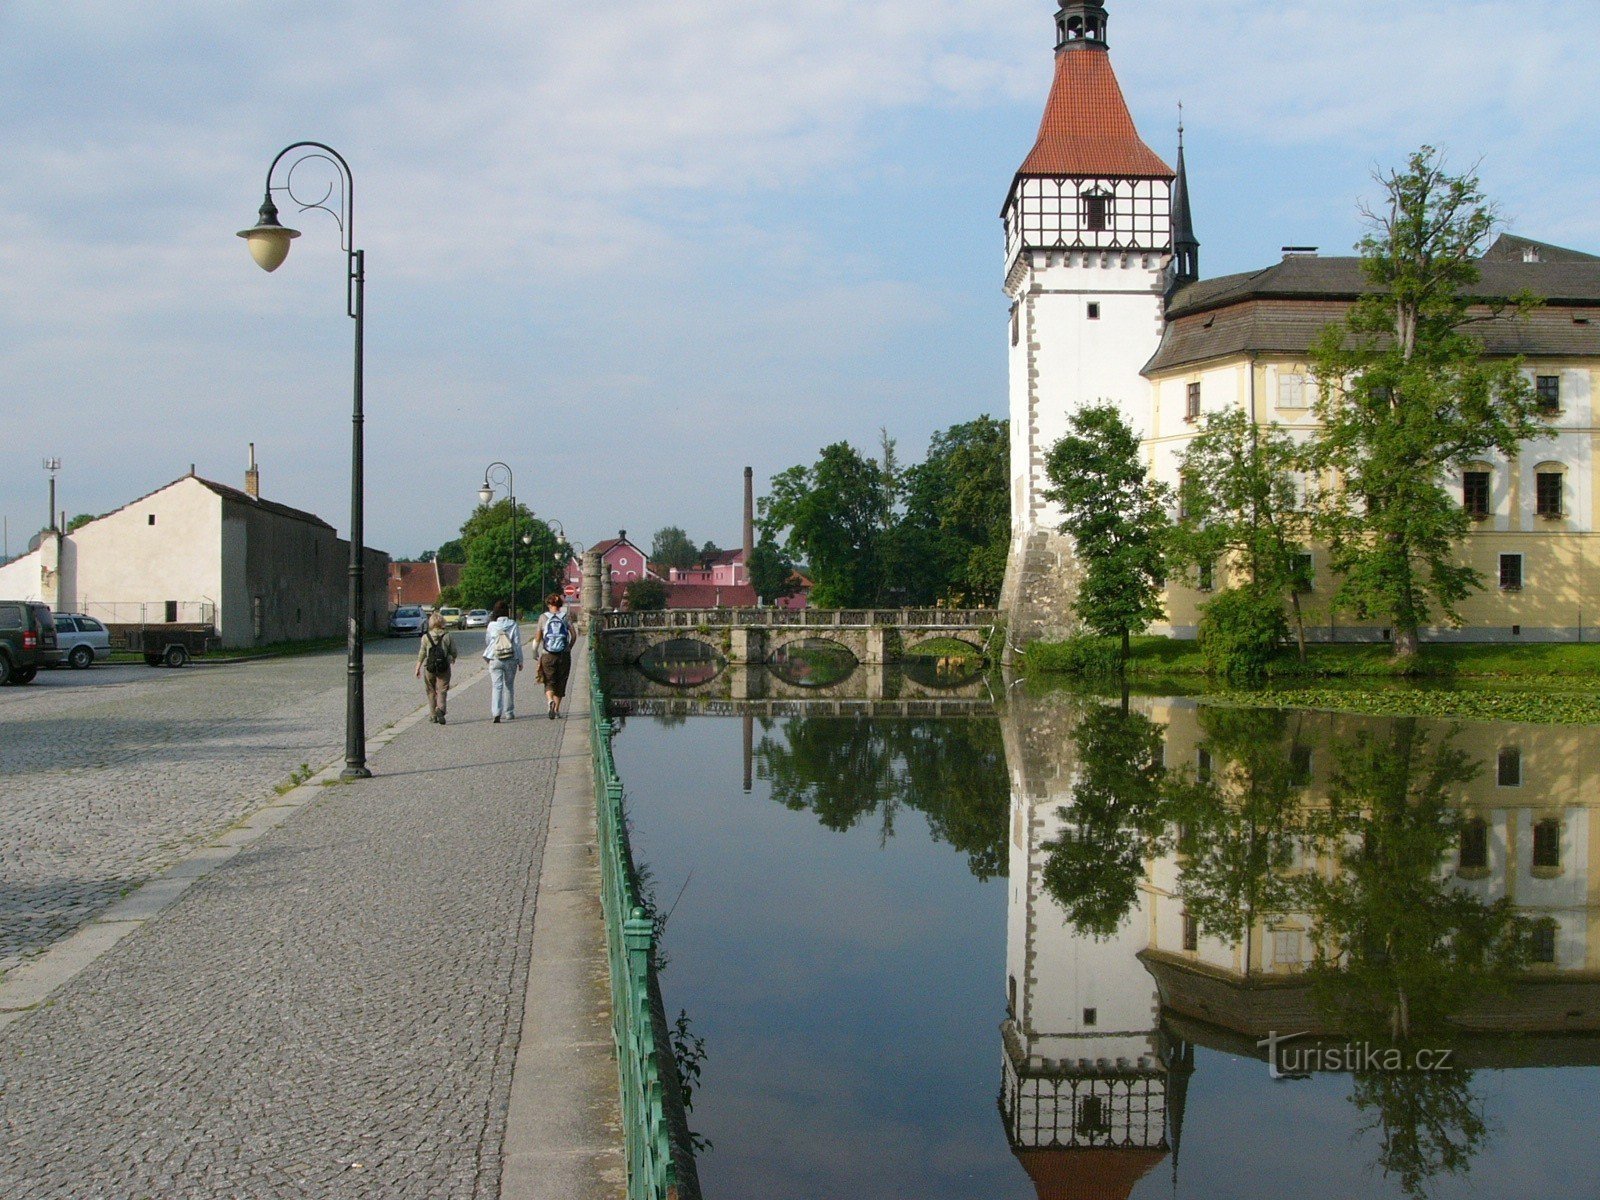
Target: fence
pixel 150 612
pixel 656 1132
pixel 693 618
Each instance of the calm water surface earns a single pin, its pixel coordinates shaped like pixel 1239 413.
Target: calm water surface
pixel 1035 950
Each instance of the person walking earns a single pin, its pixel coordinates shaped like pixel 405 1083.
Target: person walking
pixel 434 657
pixel 502 650
pixel 554 640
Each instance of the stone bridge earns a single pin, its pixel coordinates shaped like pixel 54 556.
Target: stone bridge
pixel 749 636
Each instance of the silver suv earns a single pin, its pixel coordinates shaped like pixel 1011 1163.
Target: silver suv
pixel 81 641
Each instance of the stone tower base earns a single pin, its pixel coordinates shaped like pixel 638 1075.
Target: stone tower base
pixel 1041 583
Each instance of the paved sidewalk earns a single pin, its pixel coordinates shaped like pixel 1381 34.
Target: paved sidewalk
pixel 393 988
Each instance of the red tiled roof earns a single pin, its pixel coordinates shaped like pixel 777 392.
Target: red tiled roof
pixel 1087 129
pixel 710 595
pixel 1087 1174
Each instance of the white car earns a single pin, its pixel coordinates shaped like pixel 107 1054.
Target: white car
pixel 408 621
pixel 81 641
pixel 477 618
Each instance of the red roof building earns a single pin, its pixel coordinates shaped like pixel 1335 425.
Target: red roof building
pixel 421 582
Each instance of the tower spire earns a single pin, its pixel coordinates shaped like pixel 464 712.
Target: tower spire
pixel 1081 24
pixel 1185 246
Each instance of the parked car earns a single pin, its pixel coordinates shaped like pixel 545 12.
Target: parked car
pixel 451 617
pixel 27 640
pixel 408 621
pixel 478 618
pixel 81 641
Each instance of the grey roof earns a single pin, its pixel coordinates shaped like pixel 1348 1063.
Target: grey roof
pixel 1282 308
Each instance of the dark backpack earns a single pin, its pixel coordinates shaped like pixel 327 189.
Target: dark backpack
pixel 437 661
pixel 556 634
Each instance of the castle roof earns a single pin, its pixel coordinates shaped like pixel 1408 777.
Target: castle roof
pixel 1087 130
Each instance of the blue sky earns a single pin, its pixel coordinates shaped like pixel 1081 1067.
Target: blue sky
pixel 631 247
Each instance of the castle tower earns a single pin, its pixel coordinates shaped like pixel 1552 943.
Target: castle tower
pixel 1089 238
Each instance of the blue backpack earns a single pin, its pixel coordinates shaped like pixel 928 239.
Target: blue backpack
pixel 556 634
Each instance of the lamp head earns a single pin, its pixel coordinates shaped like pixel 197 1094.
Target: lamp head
pixel 486 493
pixel 269 240
pixel 527 539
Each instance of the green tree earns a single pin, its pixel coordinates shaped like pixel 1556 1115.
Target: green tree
pixel 79 521
pixel 646 595
pixel 957 523
pixel 771 571
pixel 831 516
pixel 1117 517
pixel 487 537
pixel 453 551
pixel 671 547
pixel 1407 395
pixel 1238 503
pixel 709 551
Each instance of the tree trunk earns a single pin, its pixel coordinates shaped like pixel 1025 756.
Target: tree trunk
pixel 1299 625
pixel 1125 649
pixel 1405 643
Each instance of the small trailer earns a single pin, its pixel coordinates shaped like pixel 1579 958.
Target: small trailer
pixel 170 645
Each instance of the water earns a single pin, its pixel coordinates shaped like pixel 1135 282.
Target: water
pixel 1041 951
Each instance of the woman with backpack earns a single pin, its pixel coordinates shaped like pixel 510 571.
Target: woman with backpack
pixel 434 656
pixel 555 652
pixel 502 650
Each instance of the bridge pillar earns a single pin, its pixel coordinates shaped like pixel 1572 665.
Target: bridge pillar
pixel 747 645
pixel 877 645
pixel 591 587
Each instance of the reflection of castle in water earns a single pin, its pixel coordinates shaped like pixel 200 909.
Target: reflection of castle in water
pixel 1110 991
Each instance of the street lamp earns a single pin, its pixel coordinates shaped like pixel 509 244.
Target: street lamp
pixel 486 494
pixel 269 246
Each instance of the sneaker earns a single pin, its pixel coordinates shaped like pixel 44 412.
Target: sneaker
pixel 497 720
pixel 441 718
pixel 552 710
pixel 511 716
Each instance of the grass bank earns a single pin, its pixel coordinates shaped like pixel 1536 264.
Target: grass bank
pixel 1552 683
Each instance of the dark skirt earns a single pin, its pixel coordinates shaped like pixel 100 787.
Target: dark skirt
pixel 553 671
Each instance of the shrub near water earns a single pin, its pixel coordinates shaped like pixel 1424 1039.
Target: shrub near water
pixel 1240 633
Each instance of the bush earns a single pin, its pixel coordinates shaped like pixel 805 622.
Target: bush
pixel 1081 655
pixel 646 595
pixel 1241 631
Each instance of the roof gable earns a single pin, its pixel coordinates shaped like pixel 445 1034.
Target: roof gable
pixel 1087 130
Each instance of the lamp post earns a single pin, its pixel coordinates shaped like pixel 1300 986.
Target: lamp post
pixel 486 494
pixel 269 246
pixel 559 530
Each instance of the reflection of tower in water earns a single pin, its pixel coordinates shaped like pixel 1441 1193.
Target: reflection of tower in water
pixel 1092 1088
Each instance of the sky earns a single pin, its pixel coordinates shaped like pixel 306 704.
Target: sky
pixel 630 247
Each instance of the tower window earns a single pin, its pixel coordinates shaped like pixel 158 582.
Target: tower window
pixel 1291 391
pixel 1548 389
pixel 1547 493
pixel 1474 845
pixel 1475 493
pixel 1097 213
pixel 1090 1016
pixel 1191 409
pixel 1094 310
pixel 1508 767
pixel 1511 572
pixel 1191 932
pixel 1547 844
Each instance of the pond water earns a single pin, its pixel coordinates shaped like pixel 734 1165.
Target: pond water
pixel 1067 946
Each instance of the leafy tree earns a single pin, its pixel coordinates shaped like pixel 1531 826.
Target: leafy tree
pixel 1117 517
pixel 1094 867
pixel 646 595
pixel 1237 501
pixel 450 596
pixel 671 547
pixel 453 551
pixel 487 536
pixel 1407 396
pixel 771 572
pixel 426 556
pixel 831 515
pixel 709 551
pixel 79 521
pixel 957 523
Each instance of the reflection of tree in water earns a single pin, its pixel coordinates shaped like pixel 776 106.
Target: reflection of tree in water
pixel 1094 868
pixel 844 770
pixel 1404 949
pixel 1401 949
pixel 813 662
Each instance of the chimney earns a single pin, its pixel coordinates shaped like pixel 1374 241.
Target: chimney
pixel 749 517
pixel 252 477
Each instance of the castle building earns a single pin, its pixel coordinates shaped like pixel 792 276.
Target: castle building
pixel 1107 304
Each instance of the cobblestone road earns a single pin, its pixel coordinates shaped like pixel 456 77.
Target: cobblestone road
pixel 335 1012
pixel 108 776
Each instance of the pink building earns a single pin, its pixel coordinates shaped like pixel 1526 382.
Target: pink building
pixel 727 569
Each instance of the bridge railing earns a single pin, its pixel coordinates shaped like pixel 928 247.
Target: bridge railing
pixel 659 1149
pixel 812 618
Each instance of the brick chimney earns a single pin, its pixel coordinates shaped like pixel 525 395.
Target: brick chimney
pixel 749 517
pixel 252 477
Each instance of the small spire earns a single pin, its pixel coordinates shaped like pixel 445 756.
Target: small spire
pixel 1185 246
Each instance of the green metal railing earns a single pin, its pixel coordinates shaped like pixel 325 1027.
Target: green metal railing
pixel 659 1149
